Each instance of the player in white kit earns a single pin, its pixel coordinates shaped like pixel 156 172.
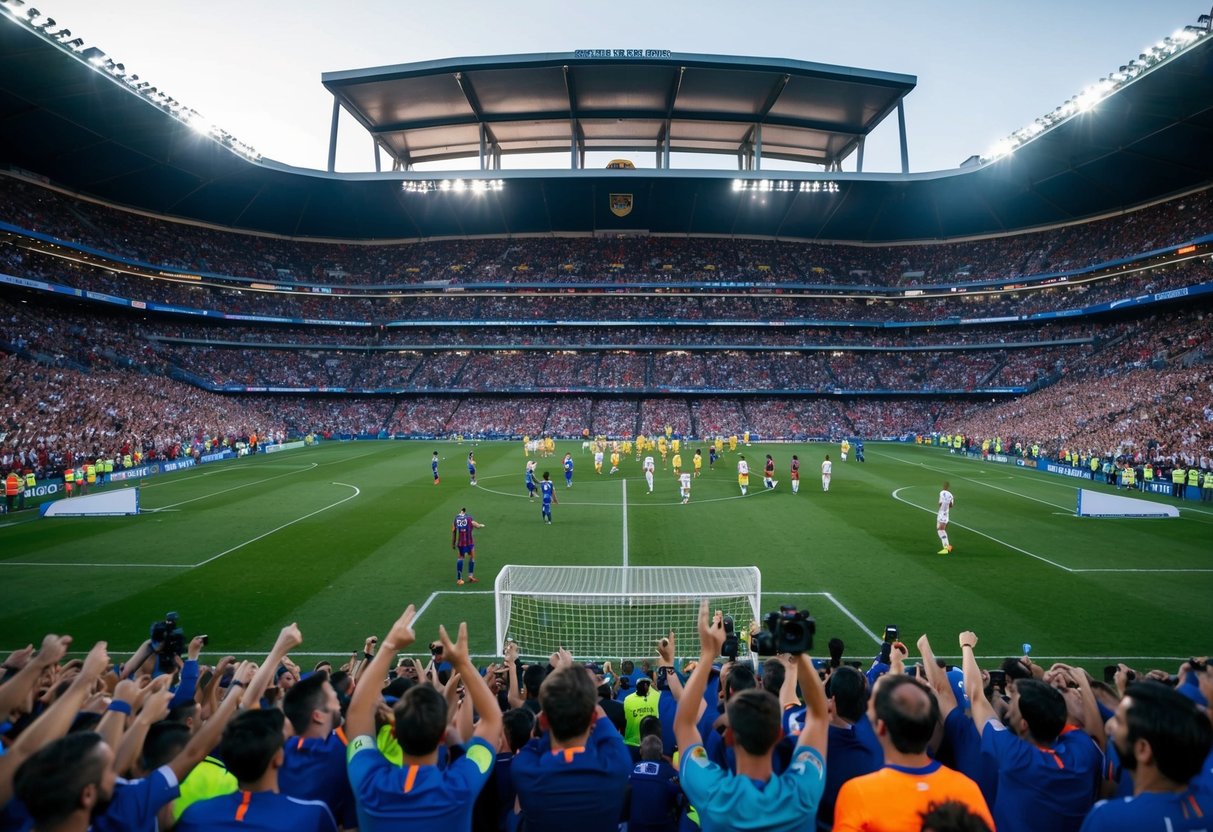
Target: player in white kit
pixel 684 487
pixel 941 519
pixel 827 468
pixel 649 467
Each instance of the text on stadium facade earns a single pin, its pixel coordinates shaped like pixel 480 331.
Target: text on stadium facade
pixel 622 53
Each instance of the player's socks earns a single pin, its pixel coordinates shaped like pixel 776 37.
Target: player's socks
pixel 459 570
pixel 943 536
pixel 795 486
pixel 471 569
pixel 743 492
pixel 774 483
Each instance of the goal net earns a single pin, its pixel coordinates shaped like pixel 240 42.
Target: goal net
pixel 618 612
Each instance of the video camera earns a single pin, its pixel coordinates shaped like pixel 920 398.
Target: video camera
pixel 168 641
pixel 787 631
pixel 732 645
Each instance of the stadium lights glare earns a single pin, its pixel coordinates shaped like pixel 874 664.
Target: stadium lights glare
pixel 1090 97
pixel 101 62
pixel 757 186
pixel 478 187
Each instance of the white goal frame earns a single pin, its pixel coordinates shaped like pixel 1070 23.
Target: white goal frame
pixel 618 612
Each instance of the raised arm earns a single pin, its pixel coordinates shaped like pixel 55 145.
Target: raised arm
pixel 817 709
pixel 665 654
pixel 483 699
pixel 288 640
pixel 711 638
pixel 980 707
pixel 17 688
pixel 514 694
pixel 207 737
pixel 937 678
pixel 360 716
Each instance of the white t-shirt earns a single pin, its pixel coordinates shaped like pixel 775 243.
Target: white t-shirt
pixel 743 467
pixel 826 468
pixel 649 465
pixel 684 480
pixel 945 505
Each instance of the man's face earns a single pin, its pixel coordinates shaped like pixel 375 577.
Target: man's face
pixel 1014 719
pixel 102 792
pixel 1118 733
pixel 332 707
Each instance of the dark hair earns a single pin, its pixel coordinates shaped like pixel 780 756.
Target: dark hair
pixel 518 724
pixel 952 816
pixel 341 682
pixel 740 678
pixel 1043 707
pixel 849 689
pixel 910 718
pixel 754 719
pixel 303 699
pixel 568 699
pixel 420 720
pixel 650 726
pixel 1016 669
pixel 1178 733
pixel 183 713
pixel 532 678
pixel 773 673
pixel 250 742
pixel 163 742
pixel 50 782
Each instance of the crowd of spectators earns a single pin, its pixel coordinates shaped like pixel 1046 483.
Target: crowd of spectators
pixel 198 249
pixel 785 741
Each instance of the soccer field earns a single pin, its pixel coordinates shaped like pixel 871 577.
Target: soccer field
pixel 342 536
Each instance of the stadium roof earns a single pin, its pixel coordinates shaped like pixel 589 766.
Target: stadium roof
pixel 87 131
pixel 624 100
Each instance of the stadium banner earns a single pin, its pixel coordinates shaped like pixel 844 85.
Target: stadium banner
pixel 44 489
pixel 1099 504
pixel 1026 463
pixel 1157 487
pixel 107 503
pixel 284 446
pixel 177 465
pixel 131 473
pixel 1067 470
pixel 218 456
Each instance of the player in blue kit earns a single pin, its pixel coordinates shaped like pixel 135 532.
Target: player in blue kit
pixel 547 489
pixel 568 470
pixel 471 468
pixel 461 539
pixel 434 467
pixel 530 478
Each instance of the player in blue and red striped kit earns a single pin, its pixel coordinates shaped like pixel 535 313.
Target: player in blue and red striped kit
pixel 461 539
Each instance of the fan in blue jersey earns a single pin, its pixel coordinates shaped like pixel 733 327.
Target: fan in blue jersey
pixel 434 467
pixel 547 490
pixel 568 470
pixel 462 530
pixel 471 468
pixel 530 478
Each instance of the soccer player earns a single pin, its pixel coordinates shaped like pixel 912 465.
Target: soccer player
pixel 461 539
pixel 675 445
pixel 697 461
pixel 795 474
pixel 743 474
pixel 684 487
pixel 547 490
pixel 598 460
pixel 530 478
pixel 768 473
pixel 676 462
pixel 434 467
pixel 713 454
pixel 941 518
pixel 650 466
pixel 845 448
pixel 568 470
pixel 471 468
pixel 663 448
pixel 859 450
pixel 615 461
pixel 746 437
pixel 827 468
pixel 732 442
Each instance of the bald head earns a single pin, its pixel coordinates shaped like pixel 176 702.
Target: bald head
pixel 909 712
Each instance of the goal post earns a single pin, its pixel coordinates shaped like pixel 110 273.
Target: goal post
pixel 617 612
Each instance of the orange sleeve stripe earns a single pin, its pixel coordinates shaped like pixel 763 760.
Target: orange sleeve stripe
pixel 341 736
pixel 242 809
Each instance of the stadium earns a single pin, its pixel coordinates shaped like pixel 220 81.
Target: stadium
pixel 255 394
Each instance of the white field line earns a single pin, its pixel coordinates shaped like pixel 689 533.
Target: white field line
pixel 624 484
pixel 235 488
pixel 126 565
pixel 954 475
pixel 239 546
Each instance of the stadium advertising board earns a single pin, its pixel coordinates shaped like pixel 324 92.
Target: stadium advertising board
pixel 177 465
pixel 1067 471
pixel 44 489
pixel 131 473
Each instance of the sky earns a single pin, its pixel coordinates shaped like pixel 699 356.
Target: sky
pixel 984 69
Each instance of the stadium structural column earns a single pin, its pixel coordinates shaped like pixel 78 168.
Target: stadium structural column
pixel 333 135
pixel 859 156
pixel 901 129
pixel 378 160
pixel 758 146
pixel 484 145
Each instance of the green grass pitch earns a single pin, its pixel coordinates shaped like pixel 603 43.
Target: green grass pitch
pixel 342 536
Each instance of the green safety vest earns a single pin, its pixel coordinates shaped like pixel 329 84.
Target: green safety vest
pixel 1177 476
pixel 1193 477
pixel 1148 474
pixel 30 482
pixel 636 708
pixel 1208 479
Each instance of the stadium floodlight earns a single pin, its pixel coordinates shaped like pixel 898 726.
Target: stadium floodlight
pixel 94 56
pixel 74 43
pixel 617 612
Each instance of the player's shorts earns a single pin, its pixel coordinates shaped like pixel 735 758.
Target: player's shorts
pixel 825 477
pixel 530 486
pixel 743 479
pixel 467 550
pixel 795 475
pixel 472 470
pixel 941 518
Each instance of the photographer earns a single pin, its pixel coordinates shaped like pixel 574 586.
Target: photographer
pixel 789 799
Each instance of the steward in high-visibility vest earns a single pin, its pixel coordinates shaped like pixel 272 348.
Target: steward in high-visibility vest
pixel 1147 473
pixel 80 480
pixel 109 466
pixel 12 488
pixel 1194 477
pixel 1177 481
pixel 126 461
pixel 90 473
pixel 30 480
pixel 69 481
pixel 1206 494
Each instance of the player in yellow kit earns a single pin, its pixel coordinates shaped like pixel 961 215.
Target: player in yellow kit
pixel 697 461
pixel 614 462
pixel 677 463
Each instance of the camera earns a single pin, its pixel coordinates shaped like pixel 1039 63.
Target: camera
pixel 787 631
pixel 436 648
pixel 891 634
pixel 168 642
pixel 732 644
